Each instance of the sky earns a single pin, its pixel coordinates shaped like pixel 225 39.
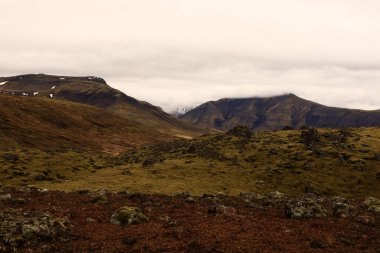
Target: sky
pixel 181 53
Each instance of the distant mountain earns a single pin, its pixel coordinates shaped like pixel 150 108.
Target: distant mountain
pixel 180 111
pixel 275 113
pixel 95 91
pixel 40 122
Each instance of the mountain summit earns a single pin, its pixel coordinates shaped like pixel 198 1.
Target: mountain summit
pixel 277 112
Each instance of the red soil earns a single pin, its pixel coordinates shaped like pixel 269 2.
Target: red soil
pixel 256 226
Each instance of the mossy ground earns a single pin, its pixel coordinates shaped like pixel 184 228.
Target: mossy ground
pixel 342 163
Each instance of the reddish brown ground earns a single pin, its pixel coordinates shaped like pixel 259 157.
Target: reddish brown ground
pixel 257 227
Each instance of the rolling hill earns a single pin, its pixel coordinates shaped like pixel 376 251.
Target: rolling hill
pixel 275 113
pixel 95 91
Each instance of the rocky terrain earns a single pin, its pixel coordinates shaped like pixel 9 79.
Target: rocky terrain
pixel 274 113
pixel 36 220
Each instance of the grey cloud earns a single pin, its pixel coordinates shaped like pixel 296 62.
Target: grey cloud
pixel 179 52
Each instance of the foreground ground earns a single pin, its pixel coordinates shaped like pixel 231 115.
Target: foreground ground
pixel 211 223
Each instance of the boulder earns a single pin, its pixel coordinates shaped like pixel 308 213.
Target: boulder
pixel 190 200
pixel 307 208
pixel 276 195
pixel 128 215
pixel 372 204
pixel 342 208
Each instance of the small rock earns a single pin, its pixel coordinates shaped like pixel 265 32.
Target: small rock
pixel 5 197
pixel 100 200
pixel 129 240
pixel 102 192
pixel 372 204
pixel 190 200
pixel 127 173
pixel 128 215
pixel 222 210
pixel 366 219
pixel 90 220
pixel 318 244
pixel 168 221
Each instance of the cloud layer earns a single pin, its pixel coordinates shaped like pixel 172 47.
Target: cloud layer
pixel 179 53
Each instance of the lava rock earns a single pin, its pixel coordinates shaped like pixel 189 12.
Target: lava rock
pixel 307 208
pixel 190 200
pixel 342 208
pixel 372 204
pixel 127 216
pixel 222 210
pixel 5 197
pixel 19 227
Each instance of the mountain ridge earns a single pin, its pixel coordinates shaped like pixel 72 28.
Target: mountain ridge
pixel 40 122
pixel 95 91
pixel 273 113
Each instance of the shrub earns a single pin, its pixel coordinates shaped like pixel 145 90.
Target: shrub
pixel 310 137
pixel 240 131
pixel 11 158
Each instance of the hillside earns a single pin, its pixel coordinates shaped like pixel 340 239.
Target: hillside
pixel 95 91
pixel 40 122
pixel 275 113
pixel 325 162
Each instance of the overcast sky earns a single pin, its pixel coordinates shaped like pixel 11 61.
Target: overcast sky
pixel 185 52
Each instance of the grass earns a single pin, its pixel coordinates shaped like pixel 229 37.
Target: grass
pixel 264 162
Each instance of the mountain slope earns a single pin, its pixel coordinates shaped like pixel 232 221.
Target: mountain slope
pixel 47 123
pixel 95 91
pixel 275 113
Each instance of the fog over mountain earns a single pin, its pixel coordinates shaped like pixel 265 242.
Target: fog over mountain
pixel 179 53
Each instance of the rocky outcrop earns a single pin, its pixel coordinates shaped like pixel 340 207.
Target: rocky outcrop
pixel 342 208
pixel 18 227
pixel 307 208
pixel 372 204
pixel 128 215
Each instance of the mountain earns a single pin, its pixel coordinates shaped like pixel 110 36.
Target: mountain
pixel 40 122
pixel 179 111
pixel 95 91
pixel 275 113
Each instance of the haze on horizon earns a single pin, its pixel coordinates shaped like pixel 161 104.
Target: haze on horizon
pixel 182 53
